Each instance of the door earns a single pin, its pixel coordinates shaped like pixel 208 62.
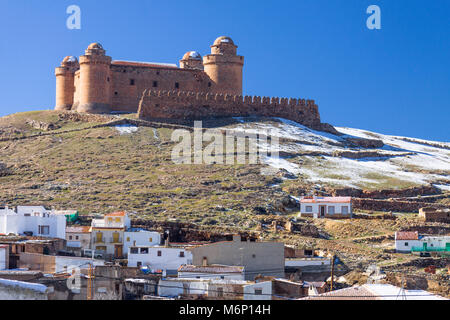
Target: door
pixel 322 211
pixel 118 251
pixel 425 247
pixel 116 237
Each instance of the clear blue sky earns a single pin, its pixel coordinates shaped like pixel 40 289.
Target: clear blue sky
pixel 395 80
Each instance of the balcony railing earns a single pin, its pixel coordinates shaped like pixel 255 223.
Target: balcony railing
pixel 115 240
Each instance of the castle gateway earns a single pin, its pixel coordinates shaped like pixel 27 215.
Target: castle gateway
pixel 98 84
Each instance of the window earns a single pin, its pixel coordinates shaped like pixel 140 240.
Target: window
pixel 253 256
pixel 151 239
pixel 182 254
pixel 128 239
pixel 258 292
pixel 220 292
pixel 177 85
pixel 344 210
pixel 132 82
pixel 406 244
pixel 330 209
pixel 139 264
pixel 157 72
pixel 109 219
pixel 144 250
pixel 155 84
pixel 159 253
pixel 209 84
pixel 70 237
pixel 134 250
pixel 308 208
pixel 45 230
pixel 116 93
pixel 77 237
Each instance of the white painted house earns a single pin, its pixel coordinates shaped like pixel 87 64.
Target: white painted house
pixel 139 237
pixel 33 220
pixel 212 272
pixel 412 241
pixel 215 288
pixel 159 258
pixel 326 207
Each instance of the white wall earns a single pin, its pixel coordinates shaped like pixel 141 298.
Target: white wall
pixel 199 275
pixel 3 265
pixel 169 259
pixel 316 206
pixel 142 238
pixel 61 262
pixel 406 245
pixel 307 262
pixel 249 291
pixel 18 290
pixel 170 288
pixel 18 223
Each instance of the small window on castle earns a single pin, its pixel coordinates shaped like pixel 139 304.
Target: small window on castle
pixel 209 84
pixel 177 85
pixel 116 93
pixel 131 82
pixel 157 72
pixel 155 84
pixel 107 79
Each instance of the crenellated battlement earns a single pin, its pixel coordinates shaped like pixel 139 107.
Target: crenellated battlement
pixel 188 105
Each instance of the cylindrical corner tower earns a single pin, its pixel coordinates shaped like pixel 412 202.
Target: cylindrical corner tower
pixel 224 67
pixel 95 80
pixel 191 60
pixel 65 87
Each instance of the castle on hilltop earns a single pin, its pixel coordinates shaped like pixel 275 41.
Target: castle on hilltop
pixel 200 87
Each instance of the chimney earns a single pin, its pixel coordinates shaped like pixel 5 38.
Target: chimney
pixel 205 262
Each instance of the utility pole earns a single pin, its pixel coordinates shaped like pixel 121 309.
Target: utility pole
pixel 89 283
pixel 332 272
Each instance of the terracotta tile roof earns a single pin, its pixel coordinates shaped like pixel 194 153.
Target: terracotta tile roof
pixel 116 214
pixel 211 269
pixel 81 229
pixel 407 235
pixel 326 200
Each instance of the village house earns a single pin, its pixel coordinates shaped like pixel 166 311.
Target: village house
pixel 214 289
pixel 211 272
pixel 78 238
pixel 32 221
pixel 55 264
pixel 107 234
pixel 413 242
pixel 140 237
pixel 326 207
pixel 258 258
pixel 41 245
pixel 434 215
pixel 159 258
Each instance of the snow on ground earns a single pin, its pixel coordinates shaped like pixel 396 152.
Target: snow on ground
pixel 126 128
pixel 428 161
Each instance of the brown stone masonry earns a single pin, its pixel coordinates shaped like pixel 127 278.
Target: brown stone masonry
pixel 198 105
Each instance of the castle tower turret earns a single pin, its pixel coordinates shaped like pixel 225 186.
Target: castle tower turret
pixel 65 87
pixel 191 60
pixel 224 67
pixel 95 80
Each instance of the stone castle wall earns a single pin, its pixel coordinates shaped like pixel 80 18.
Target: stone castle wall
pixel 196 106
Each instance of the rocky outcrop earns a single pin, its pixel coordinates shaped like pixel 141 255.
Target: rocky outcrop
pixel 365 143
pixel 42 125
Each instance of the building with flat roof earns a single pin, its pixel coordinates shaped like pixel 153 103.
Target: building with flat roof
pixel 326 207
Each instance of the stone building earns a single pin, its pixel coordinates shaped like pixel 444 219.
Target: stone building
pixel 97 84
pixel 258 258
pixel 434 215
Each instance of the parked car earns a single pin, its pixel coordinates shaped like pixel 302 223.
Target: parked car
pixel 88 253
